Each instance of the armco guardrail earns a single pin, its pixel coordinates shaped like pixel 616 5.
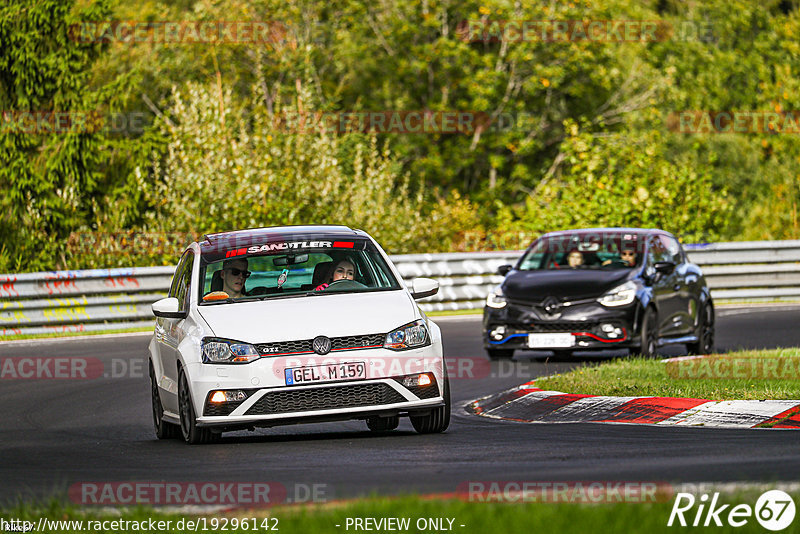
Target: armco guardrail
pixel 76 301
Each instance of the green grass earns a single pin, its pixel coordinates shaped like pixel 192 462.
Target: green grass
pixel 477 517
pixel 49 335
pixel 756 372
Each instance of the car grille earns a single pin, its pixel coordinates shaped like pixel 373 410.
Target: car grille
pixel 563 326
pixel 308 399
pixel 305 345
pixel 425 392
pixel 212 410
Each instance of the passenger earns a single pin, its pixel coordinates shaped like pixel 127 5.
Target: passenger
pixel 344 270
pixel 575 259
pixel 234 273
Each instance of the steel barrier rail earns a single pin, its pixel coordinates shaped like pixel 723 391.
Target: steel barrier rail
pixel 99 299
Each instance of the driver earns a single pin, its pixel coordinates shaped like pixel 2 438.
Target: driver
pixel 233 274
pixel 344 270
pixel 627 257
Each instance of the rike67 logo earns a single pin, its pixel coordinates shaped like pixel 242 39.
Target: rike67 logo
pixel 774 510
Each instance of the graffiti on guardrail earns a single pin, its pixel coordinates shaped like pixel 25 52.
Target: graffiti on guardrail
pixel 105 299
pixel 7 286
pixel 58 283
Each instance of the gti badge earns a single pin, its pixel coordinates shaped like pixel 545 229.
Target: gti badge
pixel 321 344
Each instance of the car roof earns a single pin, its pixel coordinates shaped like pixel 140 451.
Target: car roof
pixel 625 230
pixel 270 233
pixel 212 243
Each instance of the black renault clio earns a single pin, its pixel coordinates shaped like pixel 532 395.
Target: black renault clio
pixel 596 289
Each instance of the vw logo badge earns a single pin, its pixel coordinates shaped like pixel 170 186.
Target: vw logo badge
pixel 321 344
pixel 551 305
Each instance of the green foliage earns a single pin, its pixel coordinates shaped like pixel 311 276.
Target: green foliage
pixel 590 143
pixel 624 180
pixel 50 180
pixel 229 166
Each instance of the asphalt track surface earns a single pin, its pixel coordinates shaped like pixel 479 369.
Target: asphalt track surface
pixel 56 433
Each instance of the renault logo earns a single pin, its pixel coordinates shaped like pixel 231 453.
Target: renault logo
pixel 321 344
pixel 551 305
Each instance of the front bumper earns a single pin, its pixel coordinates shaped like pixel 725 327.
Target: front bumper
pixel 591 326
pixel 330 401
pixel 270 401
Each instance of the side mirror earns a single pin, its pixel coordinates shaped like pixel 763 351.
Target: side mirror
pixel 504 269
pixel 664 267
pixel 423 287
pixel 168 308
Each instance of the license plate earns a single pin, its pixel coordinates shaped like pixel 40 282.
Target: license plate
pixel 549 341
pixel 325 372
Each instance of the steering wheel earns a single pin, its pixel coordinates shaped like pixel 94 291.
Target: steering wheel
pixel 345 284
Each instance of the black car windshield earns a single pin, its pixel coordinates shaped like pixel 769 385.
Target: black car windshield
pixel 585 250
pixel 310 267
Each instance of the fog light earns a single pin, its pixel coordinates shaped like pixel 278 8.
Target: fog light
pixel 417 380
pixel 220 397
pixel 607 328
pixel 498 333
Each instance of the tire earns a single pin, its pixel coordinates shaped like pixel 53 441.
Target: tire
pixel 649 347
pixel 191 433
pixel 500 354
pixel 438 419
pixel 164 430
pixel 705 333
pixel 383 424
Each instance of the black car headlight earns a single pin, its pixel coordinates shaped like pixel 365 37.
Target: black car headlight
pixel 496 299
pixel 620 295
pixel 410 336
pixel 227 351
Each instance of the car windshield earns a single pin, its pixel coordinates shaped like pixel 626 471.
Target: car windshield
pixel 584 250
pixel 308 268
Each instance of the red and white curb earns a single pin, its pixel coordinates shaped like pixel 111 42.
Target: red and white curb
pixel 530 404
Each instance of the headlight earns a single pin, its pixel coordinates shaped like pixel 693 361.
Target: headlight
pixel 496 299
pixel 410 336
pixel 620 295
pixel 225 351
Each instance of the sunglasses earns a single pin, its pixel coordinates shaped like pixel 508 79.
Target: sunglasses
pixel 237 272
pixel 626 253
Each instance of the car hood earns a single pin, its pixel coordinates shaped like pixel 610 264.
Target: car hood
pixel 562 283
pixel 298 318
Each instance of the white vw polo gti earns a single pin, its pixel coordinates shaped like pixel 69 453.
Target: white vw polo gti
pixel 283 325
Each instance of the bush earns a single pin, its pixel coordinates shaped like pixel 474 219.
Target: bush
pixel 622 180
